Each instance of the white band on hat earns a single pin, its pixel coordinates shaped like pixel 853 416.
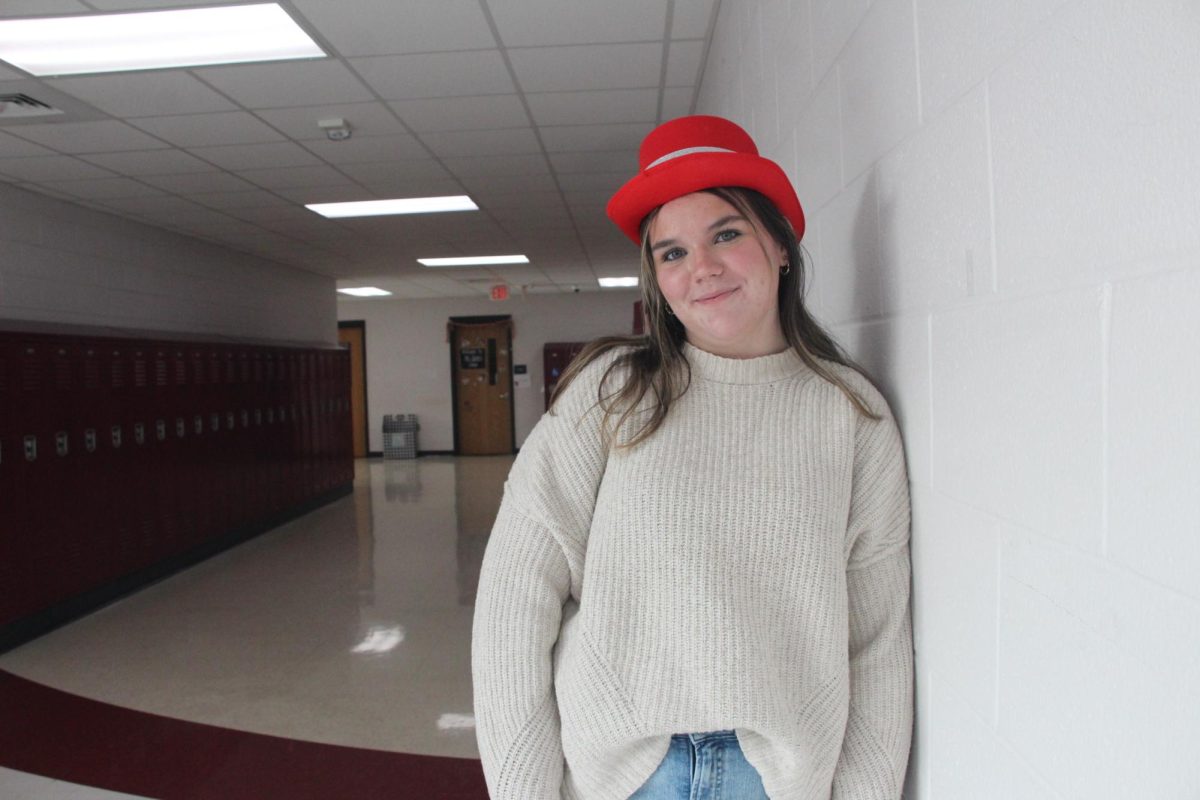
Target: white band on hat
pixel 687 151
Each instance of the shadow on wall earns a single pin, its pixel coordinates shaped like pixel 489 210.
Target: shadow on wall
pixel 876 290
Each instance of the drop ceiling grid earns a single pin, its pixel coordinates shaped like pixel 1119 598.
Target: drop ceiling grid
pixel 535 112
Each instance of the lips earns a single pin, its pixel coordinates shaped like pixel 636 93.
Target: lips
pixel 714 297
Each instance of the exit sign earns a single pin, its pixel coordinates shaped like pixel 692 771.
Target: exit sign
pixel 500 292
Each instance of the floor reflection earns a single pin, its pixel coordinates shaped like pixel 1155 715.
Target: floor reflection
pixel 350 625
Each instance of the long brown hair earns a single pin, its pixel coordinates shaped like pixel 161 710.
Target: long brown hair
pixel 654 364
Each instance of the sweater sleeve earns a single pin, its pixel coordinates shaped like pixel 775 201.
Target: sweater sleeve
pixel 874 753
pixel 532 565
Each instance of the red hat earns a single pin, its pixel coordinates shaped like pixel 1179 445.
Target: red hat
pixel 688 154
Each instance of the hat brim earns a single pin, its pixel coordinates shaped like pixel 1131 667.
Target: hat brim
pixel 652 188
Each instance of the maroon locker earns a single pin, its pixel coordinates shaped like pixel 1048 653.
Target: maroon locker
pixel 12 573
pixel 125 452
pixel 125 481
pixel 145 506
pixel 93 535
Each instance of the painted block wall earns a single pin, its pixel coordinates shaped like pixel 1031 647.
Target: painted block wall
pixel 1004 222
pixel 65 264
pixel 408 356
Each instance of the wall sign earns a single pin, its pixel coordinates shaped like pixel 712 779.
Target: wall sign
pixel 472 358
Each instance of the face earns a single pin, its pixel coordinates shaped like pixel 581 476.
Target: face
pixel 719 273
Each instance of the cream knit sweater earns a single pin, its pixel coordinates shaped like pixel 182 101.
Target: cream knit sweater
pixel 746 567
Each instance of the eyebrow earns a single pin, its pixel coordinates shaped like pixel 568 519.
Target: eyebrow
pixel 725 220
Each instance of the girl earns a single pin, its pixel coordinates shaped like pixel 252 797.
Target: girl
pixel 697 585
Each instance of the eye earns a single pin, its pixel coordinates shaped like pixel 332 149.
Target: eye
pixel 727 235
pixel 673 254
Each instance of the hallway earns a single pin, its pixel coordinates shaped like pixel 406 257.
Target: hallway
pixel 348 627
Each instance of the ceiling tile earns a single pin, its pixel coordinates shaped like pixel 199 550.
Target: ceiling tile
pixel 257 156
pixel 145 94
pixel 7 74
pixel 462 113
pixel 104 136
pixel 362 149
pixel 414 187
pixel 485 143
pixel 585 108
pixel 104 188
pixel 201 130
pixel 150 162
pixel 288 83
pixel 400 26
pixel 501 204
pixel 325 194
pixel 583 67
pixel 13 147
pixel 165 204
pixel 364 119
pixel 690 20
pixel 50 168
pixel 595 161
pixel 683 63
pixel 607 182
pixel 130 5
pixel 549 22
pixel 537 182
pixel 406 169
pixel 37 8
pixel 677 102
pixel 290 177
pixel 578 138
pixel 255 199
pixel 473 166
pixel 198 182
pixel 436 74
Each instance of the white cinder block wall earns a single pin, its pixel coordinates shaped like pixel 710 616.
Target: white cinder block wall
pixel 60 263
pixel 1004 215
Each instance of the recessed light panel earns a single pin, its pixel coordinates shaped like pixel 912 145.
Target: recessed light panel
pixel 365 291
pixel 472 261
pixel 610 283
pixel 154 40
pixel 408 205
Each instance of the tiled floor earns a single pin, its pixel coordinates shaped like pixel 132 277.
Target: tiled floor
pixel 350 626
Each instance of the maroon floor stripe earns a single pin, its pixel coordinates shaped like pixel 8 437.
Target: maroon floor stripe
pixel 49 732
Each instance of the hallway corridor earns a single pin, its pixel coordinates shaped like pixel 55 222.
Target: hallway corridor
pixel 310 657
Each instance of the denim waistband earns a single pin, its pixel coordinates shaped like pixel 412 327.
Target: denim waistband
pixel 710 736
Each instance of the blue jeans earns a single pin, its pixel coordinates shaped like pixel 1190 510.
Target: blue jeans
pixel 703 766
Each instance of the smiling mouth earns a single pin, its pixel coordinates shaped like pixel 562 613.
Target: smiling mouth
pixel 712 298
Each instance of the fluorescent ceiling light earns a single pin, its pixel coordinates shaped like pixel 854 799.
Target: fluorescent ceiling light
pixel 409 205
pixel 365 291
pixel 154 40
pixel 472 261
pixel 614 282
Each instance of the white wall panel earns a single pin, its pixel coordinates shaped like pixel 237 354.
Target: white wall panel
pixel 1154 431
pixel 1018 412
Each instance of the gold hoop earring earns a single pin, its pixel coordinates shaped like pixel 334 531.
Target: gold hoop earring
pixel 784 269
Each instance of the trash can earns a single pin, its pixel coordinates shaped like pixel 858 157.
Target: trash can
pixel 400 435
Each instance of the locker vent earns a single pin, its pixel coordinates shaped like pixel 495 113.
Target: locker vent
pixel 20 106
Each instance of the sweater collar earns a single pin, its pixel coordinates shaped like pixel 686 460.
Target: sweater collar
pixel 763 369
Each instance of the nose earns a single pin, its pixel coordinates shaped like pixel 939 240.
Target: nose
pixel 704 263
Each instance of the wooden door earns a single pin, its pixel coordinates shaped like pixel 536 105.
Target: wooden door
pixel 353 335
pixel 482 375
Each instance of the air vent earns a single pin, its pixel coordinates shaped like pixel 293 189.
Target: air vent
pixel 14 106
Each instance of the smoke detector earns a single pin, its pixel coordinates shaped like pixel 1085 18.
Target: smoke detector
pixel 336 129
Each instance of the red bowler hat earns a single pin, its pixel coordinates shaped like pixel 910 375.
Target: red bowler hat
pixel 688 154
